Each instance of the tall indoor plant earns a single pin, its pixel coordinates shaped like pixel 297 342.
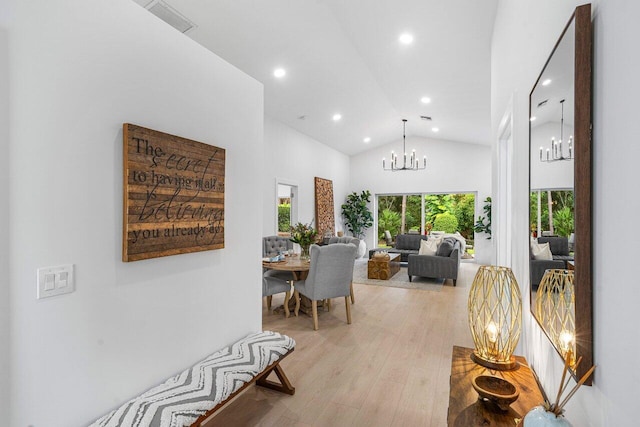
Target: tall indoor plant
pixel 356 214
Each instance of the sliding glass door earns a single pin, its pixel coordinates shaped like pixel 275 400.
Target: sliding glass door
pixel 421 213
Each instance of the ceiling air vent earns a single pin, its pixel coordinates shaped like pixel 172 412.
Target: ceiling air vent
pixel 542 103
pixel 426 118
pixel 168 14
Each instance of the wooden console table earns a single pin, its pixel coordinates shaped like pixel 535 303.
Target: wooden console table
pixel 465 410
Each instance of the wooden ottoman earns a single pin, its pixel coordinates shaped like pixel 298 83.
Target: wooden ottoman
pixel 383 267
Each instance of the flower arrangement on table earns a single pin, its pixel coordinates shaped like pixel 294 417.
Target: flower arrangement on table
pixel 304 235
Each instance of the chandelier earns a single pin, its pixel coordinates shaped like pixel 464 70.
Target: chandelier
pixel 412 164
pixel 556 152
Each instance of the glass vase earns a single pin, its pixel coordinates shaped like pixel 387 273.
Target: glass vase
pixel 539 417
pixel 304 252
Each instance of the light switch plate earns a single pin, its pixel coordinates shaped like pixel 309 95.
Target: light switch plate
pixel 56 280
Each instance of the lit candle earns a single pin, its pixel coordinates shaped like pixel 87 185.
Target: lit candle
pixel 492 332
pixel 383 163
pixel 540 153
pixel 547 154
pixel 425 161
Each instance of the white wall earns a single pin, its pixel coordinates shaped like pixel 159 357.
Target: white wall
pixel 525 33
pixel 298 158
pixel 79 70
pixel 4 224
pixel 451 168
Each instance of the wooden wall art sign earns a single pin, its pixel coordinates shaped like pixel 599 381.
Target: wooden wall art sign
pixel 325 219
pixel 173 195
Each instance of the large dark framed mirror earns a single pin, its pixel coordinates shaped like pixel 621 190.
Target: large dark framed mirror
pixel 560 193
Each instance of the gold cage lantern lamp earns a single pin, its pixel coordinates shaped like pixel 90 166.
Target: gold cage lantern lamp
pixel 555 310
pixel 495 317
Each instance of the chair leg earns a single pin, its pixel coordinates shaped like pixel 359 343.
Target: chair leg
pixel 328 301
pixel 296 295
pixel 314 310
pixel 269 298
pixel 409 278
pixel 286 304
pixel 353 298
pixel 346 303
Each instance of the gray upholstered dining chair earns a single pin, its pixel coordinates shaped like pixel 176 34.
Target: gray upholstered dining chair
pixel 273 285
pixel 330 275
pixel 354 241
pixel 273 245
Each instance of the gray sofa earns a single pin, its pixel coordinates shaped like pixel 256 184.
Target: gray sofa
pixel 406 244
pixel 559 247
pixel 444 264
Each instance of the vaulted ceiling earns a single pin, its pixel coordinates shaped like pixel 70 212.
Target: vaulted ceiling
pixel 344 57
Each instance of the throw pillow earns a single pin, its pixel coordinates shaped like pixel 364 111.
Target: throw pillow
pixel 428 247
pixel 436 238
pixel 541 251
pixel 445 248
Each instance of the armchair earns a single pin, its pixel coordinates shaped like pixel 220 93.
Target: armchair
pixel 330 276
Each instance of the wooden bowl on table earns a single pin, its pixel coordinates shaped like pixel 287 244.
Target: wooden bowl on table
pixel 496 390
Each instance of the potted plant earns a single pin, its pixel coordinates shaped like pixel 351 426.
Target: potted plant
pixel 304 235
pixel 481 226
pixel 357 216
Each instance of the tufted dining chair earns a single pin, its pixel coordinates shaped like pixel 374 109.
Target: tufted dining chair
pixel 274 285
pixel 273 245
pixel 330 275
pixel 354 241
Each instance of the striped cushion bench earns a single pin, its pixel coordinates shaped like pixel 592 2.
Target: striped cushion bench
pixel 192 396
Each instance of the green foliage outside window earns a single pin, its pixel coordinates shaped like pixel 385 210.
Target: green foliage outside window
pixel 388 220
pixel 460 206
pixel 562 206
pixel 446 222
pixel 464 209
pixel 435 204
pixel 284 218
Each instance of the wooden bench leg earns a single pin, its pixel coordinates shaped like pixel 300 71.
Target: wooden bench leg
pixel 284 386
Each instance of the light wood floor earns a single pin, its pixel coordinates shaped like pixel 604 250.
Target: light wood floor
pixel 390 367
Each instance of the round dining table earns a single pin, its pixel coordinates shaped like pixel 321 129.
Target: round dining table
pixel 299 270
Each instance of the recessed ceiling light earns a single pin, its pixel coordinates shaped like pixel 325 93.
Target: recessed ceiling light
pixel 406 38
pixel 546 82
pixel 279 72
pixel 532 119
pixel 367 140
pixel 337 117
pixel 435 129
pixel 425 100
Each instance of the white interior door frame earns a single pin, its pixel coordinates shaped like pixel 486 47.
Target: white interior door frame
pixel 294 200
pixel 502 218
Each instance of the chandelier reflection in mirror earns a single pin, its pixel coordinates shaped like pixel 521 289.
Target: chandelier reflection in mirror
pixel 410 164
pixel 556 152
